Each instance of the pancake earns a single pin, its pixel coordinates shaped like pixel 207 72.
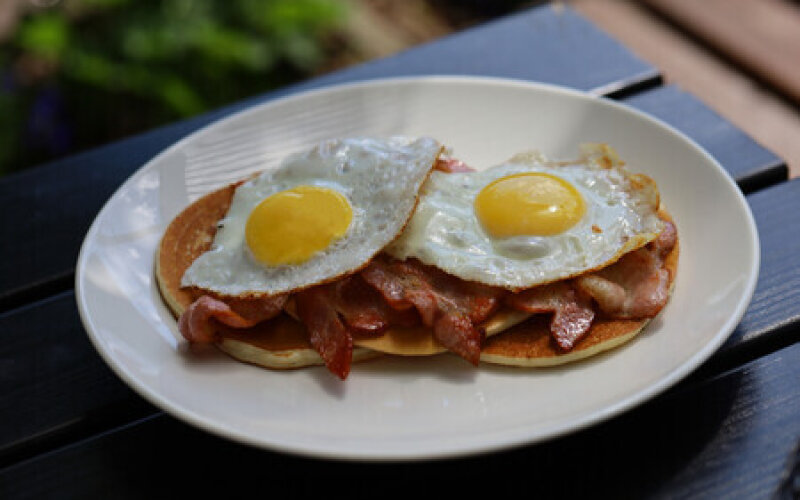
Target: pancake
pixel 419 341
pixel 186 238
pixel 280 343
pixel 529 344
pixel 514 338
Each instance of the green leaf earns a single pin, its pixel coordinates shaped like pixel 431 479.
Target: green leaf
pixel 137 63
pixel 285 17
pixel 231 47
pixel 45 35
pixel 180 96
pixel 303 52
pixel 89 68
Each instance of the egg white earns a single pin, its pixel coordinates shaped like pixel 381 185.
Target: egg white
pixel 380 179
pixel 621 215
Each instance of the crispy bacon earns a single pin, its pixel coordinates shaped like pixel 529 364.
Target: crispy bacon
pixel 199 322
pixel 257 310
pixel 332 313
pixel 364 310
pixel 452 165
pixel 666 240
pixel 450 305
pixel 327 333
pixel 636 286
pixel 390 292
pixel 572 310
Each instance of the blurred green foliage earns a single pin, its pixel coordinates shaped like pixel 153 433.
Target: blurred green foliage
pixel 83 72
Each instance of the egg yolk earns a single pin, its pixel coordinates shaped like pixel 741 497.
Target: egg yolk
pixel 529 204
pixel 291 226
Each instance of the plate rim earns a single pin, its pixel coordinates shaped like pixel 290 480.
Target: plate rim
pixel 646 394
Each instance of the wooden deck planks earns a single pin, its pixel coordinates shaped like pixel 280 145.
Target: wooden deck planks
pixel 57 387
pixel 751 165
pixel 749 409
pixel 722 86
pixel 763 36
pixel 694 443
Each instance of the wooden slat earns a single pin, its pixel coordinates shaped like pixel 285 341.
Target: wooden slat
pixel 736 95
pixel 545 44
pixel 47 210
pixel 772 319
pixel 753 166
pixel 60 388
pixel 54 386
pixel 763 35
pixel 729 437
pixel 777 215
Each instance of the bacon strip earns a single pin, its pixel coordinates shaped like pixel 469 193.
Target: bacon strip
pixel 450 305
pixel 257 310
pixel 409 292
pixel 573 313
pixel 197 323
pixel 636 286
pixel 666 240
pixel 451 165
pixel 327 333
pixel 332 313
pixel 364 310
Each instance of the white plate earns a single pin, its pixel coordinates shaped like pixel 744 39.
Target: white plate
pixel 427 407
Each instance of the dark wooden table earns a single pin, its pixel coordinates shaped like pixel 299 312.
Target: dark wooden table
pixel 70 429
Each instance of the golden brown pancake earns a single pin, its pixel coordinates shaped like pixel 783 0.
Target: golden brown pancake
pixel 279 343
pixel 186 238
pixel 283 342
pixel 419 341
pixel 529 344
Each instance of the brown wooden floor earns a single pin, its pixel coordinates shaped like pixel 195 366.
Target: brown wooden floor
pixel 711 71
pixel 740 57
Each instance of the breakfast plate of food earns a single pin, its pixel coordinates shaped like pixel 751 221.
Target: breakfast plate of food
pixel 416 268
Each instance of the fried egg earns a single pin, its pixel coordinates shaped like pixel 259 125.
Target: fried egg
pixel 530 221
pixel 321 214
